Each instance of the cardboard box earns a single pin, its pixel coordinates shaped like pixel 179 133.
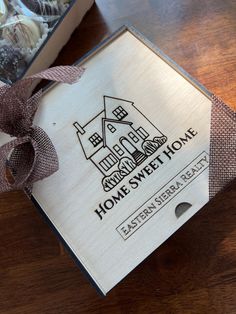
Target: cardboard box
pixel 56 39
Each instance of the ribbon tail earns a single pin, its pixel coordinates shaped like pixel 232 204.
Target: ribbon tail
pixel 64 74
pixel 222 169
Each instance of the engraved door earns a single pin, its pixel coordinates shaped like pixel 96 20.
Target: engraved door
pixel 138 156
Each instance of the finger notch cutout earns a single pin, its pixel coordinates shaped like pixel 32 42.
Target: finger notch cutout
pixel 182 208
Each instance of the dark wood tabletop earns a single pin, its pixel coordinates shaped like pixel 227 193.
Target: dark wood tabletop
pixel 192 272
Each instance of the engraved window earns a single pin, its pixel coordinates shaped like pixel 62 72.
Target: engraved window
pixel 142 133
pixel 118 150
pixel 120 113
pixel 95 139
pixel 108 162
pixel 111 128
pixel 133 137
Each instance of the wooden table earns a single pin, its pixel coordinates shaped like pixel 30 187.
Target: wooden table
pixel 195 270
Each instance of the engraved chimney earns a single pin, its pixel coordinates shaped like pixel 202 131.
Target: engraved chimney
pixel 79 128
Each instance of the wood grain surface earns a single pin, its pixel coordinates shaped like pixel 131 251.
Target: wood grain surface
pixel 195 270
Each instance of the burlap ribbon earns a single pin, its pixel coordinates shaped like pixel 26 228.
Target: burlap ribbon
pixel 31 156
pixel 222 169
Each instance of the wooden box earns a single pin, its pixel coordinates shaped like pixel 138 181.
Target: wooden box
pixel 133 138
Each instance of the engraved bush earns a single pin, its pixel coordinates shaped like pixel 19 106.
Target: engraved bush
pixel 111 181
pixel 126 165
pixel 160 139
pixel 150 147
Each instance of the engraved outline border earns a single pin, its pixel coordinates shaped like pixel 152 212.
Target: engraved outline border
pixel 159 191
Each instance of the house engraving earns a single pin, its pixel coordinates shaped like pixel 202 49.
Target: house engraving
pixel 118 139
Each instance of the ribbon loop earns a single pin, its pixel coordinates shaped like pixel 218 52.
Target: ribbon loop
pixel 31 156
pixel 8 154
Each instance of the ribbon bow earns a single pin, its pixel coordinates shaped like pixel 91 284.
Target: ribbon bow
pixel 31 156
